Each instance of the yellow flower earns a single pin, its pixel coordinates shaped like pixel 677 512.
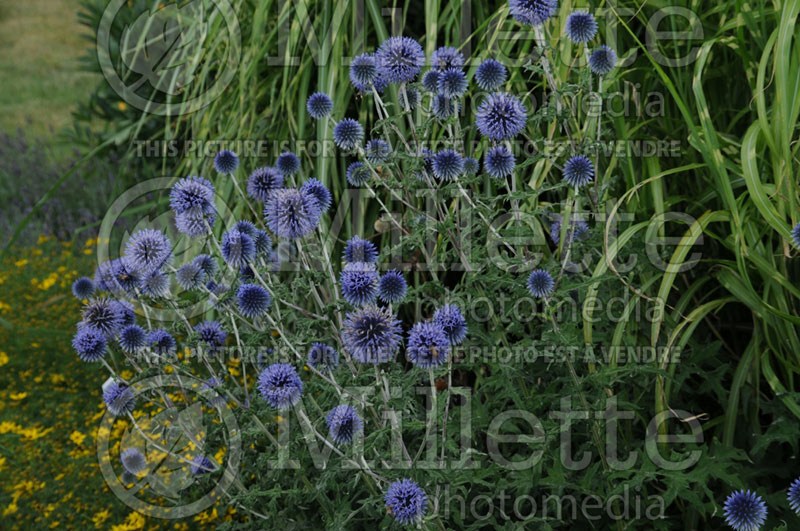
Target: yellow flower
pixel 4 307
pixel 77 437
pixel 3 357
pixel 132 523
pixel 17 396
pixel 2 462
pixel 121 105
pixel 21 263
pixel 11 509
pixel 101 517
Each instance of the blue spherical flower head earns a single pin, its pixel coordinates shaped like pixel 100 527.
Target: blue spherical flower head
pixel 148 250
pixel 209 390
pixel 745 511
pixel 377 151
pixel 207 263
pixel 581 27
pixel 447 165
pixel 263 243
pixel 245 227
pixel 452 83
pixel 371 334
pixel 126 312
pixel 132 339
pixel 201 465
pixel 103 315
pixel 501 116
pixel 119 399
pixel 532 12
pixel 323 357
pixel 359 283
pixel 359 250
pixel 89 344
pixel 343 424
pixel 430 81
pixel 363 71
pixel 578 171
pixel 796 235
pixel 444 107
pixel 491 74
pixel 246 274
pixel 292 214
pixel 287 163
pixel 406 501
pixel 195 222
pixel 577 230
pixel 445 58
pixel 400 59
pixel 226 162
pixel 280 385
pixel 156 284
pixel 253 300
pixel 117 276
pixel 411 97
pixel 317 192
pixel 263 182
pixel 190 276
pixel 392 287
pixel 161 342
pixel 191 193
pixel 319 105
pixel 793 496
pixel 452 322
pixel 540 283
pixel 211 333
pixel 499 162
pixel 603 60
pixel 471 166
pixel 83 288
pixel 428 345
pixel 238 249
pixel 133 461
pixel 348 134
pixel 358 174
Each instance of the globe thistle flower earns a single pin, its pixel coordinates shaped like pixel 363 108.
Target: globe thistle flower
pixel 359 250
pixel 323 357
pixel 211 333
pixel 795 236
pixel 499 162
pixel 90 344
pixel 226 162
pixel 148 250
pixel 348 134
pixel 578 171
pixel 501 116
pixel 287 163
pixel 264 354
pixel 452 83
pixel 318 192
pixel 392 287
pixel 357 174
pixel 83 288
pixel 343 424
pixel 280 385
pixel 452 322
pixel 532 12
pixel 319 105
pixel 161 342
pixel 359 283
pixel 155 285
pixel 216 399
pixel 119 399
pixel 190 193
pixel 263 182
pixel 444 107
pixel 406 501
pixel 363 70
pixel 201 465
pixel 400 59
pixel 102 315
pixel 445 58
pixel 447 165
pixel 245 227
pixel 471 166
pixel 195 222
pixel 793 495
pixel 263 243
pixel 581 27
pixel 132 338
pixel 603 60
pixel 428 345
pixel 578 228
pixel 133 461
pixel 745 511
pixel 540 283
pixel 116 276
pixel 292 214
pixel 238 248
pixel 412 96
pixel 246 274
pixel 371 334
pixel 377 151
pixel 208 264
pixel 253 300
pixel 190 276
pixel 491 74
pixel 126 312
pixel 430 81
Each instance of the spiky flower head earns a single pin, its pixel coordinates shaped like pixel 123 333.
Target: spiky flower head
pixel 540 283
pixel 406 501
pixel 344 424
pixel 603 60
pixel 400 59
pixel 226 162
pixel 446 57
pixel 319 105
pixel 377 151
pixel 191 193
pixel 578 228
pixel 452 322
pixel 83 288
pixel 371 334
pixel 317 191
pixel 287 163
pixel 444 107
pixel 447 165
pixel 501 116
pixel 238 249
pixel 428 345
pixel 116 276
pixel 253 300
pixel 207 263
pixel 292 214
pixel 211 333
pixel 148 250
pixel 745 511
pixel 280 385
pixel 581 27
pixel 532 12
pixel 363 70
pixel 410 96
pixel 127 314
pixel 793 496
pixel 161 342
pixel 452 83
pixel 132 460
pixel 195 222
pixel 119 399
pixel 102 315
pixel 796 235
pixel 491 74
pixel 210 390
pixel 132 338
pixel 348 134
pixel 359 283
pixel 471 166
pixel 499 162
pixel 201 465
pixel 579 171
pixel 263 182
pixel 323 357
pixel 155 285
pixel 430 81
pixel 90 344
pixel 358 174
pixel 190 276
pixel 392 287
pixel 359 250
